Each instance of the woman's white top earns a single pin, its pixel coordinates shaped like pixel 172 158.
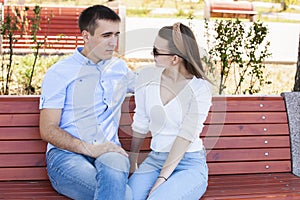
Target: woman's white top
pixel 183 116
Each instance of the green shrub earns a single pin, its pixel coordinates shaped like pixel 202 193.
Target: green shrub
pixel 239 52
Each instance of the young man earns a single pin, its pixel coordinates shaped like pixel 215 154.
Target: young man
pixel 80 113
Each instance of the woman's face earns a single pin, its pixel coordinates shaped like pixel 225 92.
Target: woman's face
pixel 161 53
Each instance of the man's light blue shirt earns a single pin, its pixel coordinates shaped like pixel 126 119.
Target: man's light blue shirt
pixel 90 96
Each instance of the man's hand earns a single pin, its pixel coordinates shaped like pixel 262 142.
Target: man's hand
pixel 96 150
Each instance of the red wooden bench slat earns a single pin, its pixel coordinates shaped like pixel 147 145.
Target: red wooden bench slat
pixel 19 120
pixel 14 133
pixel 23 160
pixel 53 47
pixel 249 106
pixel 231 5
pixel 233 143
pixel 125 131
pixel 128 105
pixel 23 146
pixel 232 104
pixel 248 154
pixel 231 118
pixel 126 142
pixel 52 42
pixel 16 190
pixel 264 98
pixel 126 119
pixel 265 186
pixel 19 104
pixel 246 118
pixel 276 192
pixel 39 173
pixel 246 142
pixel 228 130
pixel 249 167
pixel 30 104
pixel 245 130
pixel 24 184
pixel 255 183
pixel 233 12
pixel 25 39
pixel 263 178
pixel 19 107
pixel 219 103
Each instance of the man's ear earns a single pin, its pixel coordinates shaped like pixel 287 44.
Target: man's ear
pixel 85 35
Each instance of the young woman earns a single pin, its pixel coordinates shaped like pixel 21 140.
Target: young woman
pixel 172 102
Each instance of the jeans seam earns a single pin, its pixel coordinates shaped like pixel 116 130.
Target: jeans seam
pixel 66 176
pixel 198 187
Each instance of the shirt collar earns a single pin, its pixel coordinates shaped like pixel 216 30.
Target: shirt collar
pixel 84 60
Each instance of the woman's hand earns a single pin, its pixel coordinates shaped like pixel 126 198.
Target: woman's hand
pixel 158 182
pixel 133 158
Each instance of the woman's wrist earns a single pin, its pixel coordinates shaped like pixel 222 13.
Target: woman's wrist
pixel 162 177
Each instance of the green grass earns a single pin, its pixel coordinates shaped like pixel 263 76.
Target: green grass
pixel 21 69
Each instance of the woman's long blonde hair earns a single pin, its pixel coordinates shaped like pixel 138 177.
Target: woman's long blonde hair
pixel 182 42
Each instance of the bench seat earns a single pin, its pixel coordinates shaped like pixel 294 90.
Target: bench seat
pixel 38 190
pixel 225 187
pixel 246 138
pixel 253 186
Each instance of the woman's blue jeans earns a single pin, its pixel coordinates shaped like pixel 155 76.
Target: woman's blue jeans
pixel 80 177
pixel 188 181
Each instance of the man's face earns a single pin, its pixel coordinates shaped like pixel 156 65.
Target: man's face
pixel 102 44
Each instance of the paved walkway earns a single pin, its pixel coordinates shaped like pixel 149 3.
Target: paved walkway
pixel 140 34
pixel 281 15
pixel 283 37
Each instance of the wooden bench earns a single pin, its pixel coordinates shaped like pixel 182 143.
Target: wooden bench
pixel 246 137
pixel 59 32
pixel 229 9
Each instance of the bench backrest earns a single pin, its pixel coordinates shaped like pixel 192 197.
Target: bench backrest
pixel 231 5
pixel 243 134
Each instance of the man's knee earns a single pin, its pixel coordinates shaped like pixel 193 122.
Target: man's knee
pixel 114 160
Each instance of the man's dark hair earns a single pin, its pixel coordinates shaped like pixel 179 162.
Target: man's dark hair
pixel 88 17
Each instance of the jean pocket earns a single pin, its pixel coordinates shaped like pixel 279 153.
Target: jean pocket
pixel 51 155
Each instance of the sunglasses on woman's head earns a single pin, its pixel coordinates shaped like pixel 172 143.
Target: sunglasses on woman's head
pixel 156 53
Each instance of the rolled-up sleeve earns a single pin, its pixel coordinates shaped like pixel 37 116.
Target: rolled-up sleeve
pixel 197 112
pixel 131 77
pixel 141 119
pixel 53 91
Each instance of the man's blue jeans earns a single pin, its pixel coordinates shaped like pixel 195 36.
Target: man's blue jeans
pixel 80 177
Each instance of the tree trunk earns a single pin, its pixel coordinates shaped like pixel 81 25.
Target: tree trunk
pixel 283 5
pixel 297 77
